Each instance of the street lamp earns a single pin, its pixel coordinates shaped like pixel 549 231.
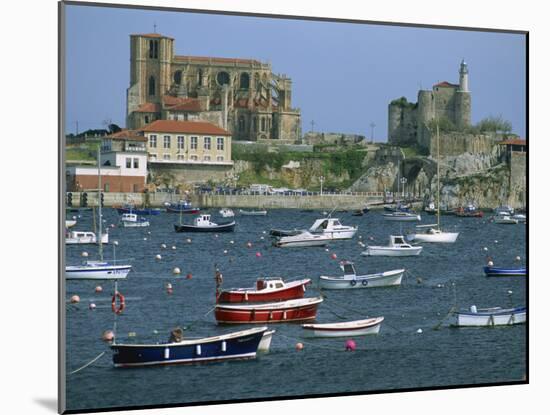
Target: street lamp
pixel 403 181
pixel 321 179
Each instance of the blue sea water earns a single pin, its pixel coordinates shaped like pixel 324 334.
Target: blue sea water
pixel 397 358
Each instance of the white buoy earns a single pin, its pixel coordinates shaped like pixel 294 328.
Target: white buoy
pixel 490 263
pixel 419 331
pixel 225 251
pixel 173 247
pixel 144 239
pixel 163 246
pixel 84 254
pixel 91 306
pixel 157 256
pixel 262 238
pixel 231 242
pixel 496 241
pixel 74 217
pixel 518 258
pixel 510 292
pixel 360 237
pixel 485 248
pixel 264 232
pixel 188 240
pixel 115 243
pixel 148 232
pixel 176 271
pixel 326 249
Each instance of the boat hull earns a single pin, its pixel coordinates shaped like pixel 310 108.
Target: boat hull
pixel 390 251
pixel 502 318
pixel 143 224
pixel 400 218
pixel 348 329
pixel 222 227
pixel 87 240
pixel 239 345
pixel 139 211
pixel 243 296
pixel 383 279
pixel 253 213
pixel 110 272
pixel 505 272
pixel 443 237
pixel 289 311
pixel 184 211
pixel 265 343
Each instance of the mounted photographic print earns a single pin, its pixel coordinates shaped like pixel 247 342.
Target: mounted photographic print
pixel 265 207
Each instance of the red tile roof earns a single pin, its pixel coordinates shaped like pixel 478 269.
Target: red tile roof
pixel 216 59
pixel 514 141
pixel 187 127
pixel 127 135
pixel 446 84
pixel 181 104
pixel 148 107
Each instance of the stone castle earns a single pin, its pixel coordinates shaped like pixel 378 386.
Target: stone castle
pixel 408 123
pixel 243 96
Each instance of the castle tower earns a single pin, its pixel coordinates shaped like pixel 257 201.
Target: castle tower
pixel 463 72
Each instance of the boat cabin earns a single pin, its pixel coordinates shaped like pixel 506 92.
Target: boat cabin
pixel 203 220
pixel 275 283
pixel 348 268
pixel 80 234
pixel 327 224
pixel 129 217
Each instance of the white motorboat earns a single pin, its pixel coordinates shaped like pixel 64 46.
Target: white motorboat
pixel 432 234
pixel 69 223
pixel 253 212
pixel 203 223
pixel 344 329
pixel 520 217
pixel 97 270
pixel 131 220
pixel 507 210
pixel 396 247
pixel 333 228
pixel 265 343
pixel 83 237
pixel 489 317
pixel 227 213
pixel 505 219
pixel 351 280
pixel 402 216
pixel 304 238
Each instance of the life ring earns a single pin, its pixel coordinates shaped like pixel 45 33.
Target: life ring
pixel 365 283
pixel 121 305
pixel 353 282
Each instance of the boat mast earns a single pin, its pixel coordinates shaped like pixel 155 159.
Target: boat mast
pixel 100 236
pixel 437 145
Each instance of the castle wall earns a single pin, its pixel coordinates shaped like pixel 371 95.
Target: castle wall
pixel 463 109
pixel 456 143
pixel 402 124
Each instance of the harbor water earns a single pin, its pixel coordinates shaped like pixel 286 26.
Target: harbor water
pixel 401 356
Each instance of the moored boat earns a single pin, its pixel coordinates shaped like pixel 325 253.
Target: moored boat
pixel 402 216
pixel 350 279
pixel 505 272
pixel 227 213
pixel 241 344
pixel 69 223
pixel 332 228
pixel 470 211
pixel 490 317
pixel 131 220
pixel 285 232
pixel 84 237
pixel 97 270
pixel 183 206
pixel 433 234
pixel 505 219
pixel 396 247
pixel 345 328
pixel 138 211
pixel 253 212
pixel 303 239
pixel 302 309
pixel 266 289
pixel 203 223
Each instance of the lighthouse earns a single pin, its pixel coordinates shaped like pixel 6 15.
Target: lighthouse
pixel 463 72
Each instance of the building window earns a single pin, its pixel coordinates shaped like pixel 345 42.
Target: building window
pixel 166 141
pixel 106 188
pixel 152 156
pixel 207 158
pixel 245 81
pixel 220 144
pixel 194 141
pixel 181 142
pixel 262 123
pixel 222 78
pixel 255 124
pixel 128 163
pixel 207 143
pixel 181 157
pixel 151 86
pixel 136 163
pixel 153 141
pixel 153 49
pixel 177 77
pixel 166 156
pixel 146 119
pixel 194 158
pixel 242 125
pixel 219 158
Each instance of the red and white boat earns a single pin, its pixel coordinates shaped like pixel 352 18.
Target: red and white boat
pixel 302 309
pixel 266 289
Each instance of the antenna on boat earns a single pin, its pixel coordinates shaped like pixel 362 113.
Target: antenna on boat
pixel 437 133
pixel 100 236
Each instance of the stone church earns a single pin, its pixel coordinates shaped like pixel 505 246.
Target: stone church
pixel 407 122
pixel 242 96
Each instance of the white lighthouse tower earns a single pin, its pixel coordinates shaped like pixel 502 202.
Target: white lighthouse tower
pixel 463 76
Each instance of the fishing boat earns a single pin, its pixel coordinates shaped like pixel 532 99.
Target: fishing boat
pixel 69 223
pixel 241 344
pixel 101 269
pixel 469 211
pixel 433 233
pixel 253 212
pixel 203 223
pixel 131 220
pixel 303 239
pixel 265 343
pixel 344 329
pixel 138 211
pixel 84 238
pixel 402 216
pixel 397 247
pixel 183 206
pixel 332 228
pixel 505 272
pixel 350 279
pixel 504 219
pixel 301 309
pixel 266 289
pixel 490 317
pixel 227 213
pixel 505 209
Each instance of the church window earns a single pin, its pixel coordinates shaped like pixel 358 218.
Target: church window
pixel 153 49
pixel 222 78
pixel 146 119
pixel 207 158
pixel 245 81
pixel 255 124
pixel 219 158
pixel 200 76
pixel 151 85
pixel 262 124
pixel 242 125
pixel 166 157
pixel 177 77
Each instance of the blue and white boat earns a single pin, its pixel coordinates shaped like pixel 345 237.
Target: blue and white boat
pixel 505 272
pixel 237 345
pixel 490 317
pixel 183 206
pixel 138 211
pixel 131 220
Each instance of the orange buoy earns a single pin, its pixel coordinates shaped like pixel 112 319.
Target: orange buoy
pixel 98 289
pixel 299 346
pixel 189 276
pixel 75 299
pixel 334 256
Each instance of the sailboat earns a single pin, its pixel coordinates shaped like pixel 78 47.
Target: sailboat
pixel 433 232
pixel 98 270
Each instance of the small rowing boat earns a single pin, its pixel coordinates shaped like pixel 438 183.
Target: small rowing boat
pixel 350 279
pixel 505 272
pixel 253 212
pixel 490 317
pixel 345 328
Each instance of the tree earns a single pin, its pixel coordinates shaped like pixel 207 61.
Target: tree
pixel 113 128
pixel 494 124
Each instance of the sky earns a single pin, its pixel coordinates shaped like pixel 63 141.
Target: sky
pixel 344 75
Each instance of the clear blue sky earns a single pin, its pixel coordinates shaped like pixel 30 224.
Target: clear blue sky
pixel 344 75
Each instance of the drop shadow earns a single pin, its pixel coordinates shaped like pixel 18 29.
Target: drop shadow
pixel 48 403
